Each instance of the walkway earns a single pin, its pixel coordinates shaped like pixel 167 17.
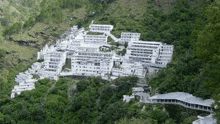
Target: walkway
pixel 112 36
pixel 184 99
pixel 177 98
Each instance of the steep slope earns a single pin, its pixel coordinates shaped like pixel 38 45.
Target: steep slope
pixel 23 35
pixel 13 11
pixel 53 18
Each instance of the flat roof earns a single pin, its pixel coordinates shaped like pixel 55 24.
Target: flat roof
pixel 185 97
pixel 101 25
pixel 137 89
pixel 129 33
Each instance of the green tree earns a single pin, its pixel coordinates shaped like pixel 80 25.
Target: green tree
pixel 29 22
pixel 207 46
pixel 1 117
pixel 15 28
pixel 82 85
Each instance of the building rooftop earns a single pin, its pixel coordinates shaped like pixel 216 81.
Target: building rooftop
pixel 186 97
pixel 138 89
pixel 90 55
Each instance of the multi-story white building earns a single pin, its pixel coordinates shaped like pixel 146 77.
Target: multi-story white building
pixel 128 36
pixel 44 51
pixel 100 28
pixel 22 87
pixel 165 54
pixel 149 52
pixel 128 69
pixel 91 62
pixel 95 39
pixel 53 62
pixel 91 56
pixel 205 120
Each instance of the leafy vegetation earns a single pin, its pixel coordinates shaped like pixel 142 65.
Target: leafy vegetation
pixel 192 27
pixel 92 101
pixel 195 66
pixel 20 39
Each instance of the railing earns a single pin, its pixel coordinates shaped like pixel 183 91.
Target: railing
pixel 172 101
pixel 184 104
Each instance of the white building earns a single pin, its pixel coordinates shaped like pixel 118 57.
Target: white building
pixel 205 120
pixel 91 62
pixel 129 69
pixel 100 28
pixel 128 36
pixel 91 56
pixel 184 99
pixel 22 87
pixel 96 39
pixel 25 81
pixel 128 98
pixel 53 63
pixel 45 50
pixel 149 52
pixel 136 91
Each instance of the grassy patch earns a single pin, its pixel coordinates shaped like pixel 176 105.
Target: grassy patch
pixel 67 65
pixel 94 33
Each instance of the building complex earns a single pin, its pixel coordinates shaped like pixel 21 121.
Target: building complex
pixel 177 98
pixel 91 55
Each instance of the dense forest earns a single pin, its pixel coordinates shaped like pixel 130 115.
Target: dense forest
pixel 92 101
pixel 192 26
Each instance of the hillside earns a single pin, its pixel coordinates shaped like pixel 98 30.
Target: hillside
pixel 26 26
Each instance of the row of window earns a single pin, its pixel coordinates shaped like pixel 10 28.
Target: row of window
pixel 184 103
pixel 134 38
pixel 55 55
pixel 95 42
pixel 54 60
pixel 139 49
pixel 139 52
pixel 143 59
pixel 166 47
pixel 52 66
pixel 147 43
pixel 161 53
pixel 134 34
pixel 90 67
pixel 53 63
pixel 54 70
pixel 101 26
pixel 165 57
pixel 139 55
pixel 91 54
pixel 101 29
pixel 95 36
pixel 154 47
pixel 92 71
pixel 103 40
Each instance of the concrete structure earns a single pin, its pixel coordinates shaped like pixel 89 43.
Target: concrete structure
pixel 26 80
pixel 137 90
pixel 96 39
pixel 128 98
pixel 184 99
pixel 177 98
pixel 53 62
pixel 153 55
pixel 91 56
pixel 128 69
pixel 150 52
pixel 22 87
pixel 100 28
pixel 205 120
pixel 92 63
pixel 128 36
